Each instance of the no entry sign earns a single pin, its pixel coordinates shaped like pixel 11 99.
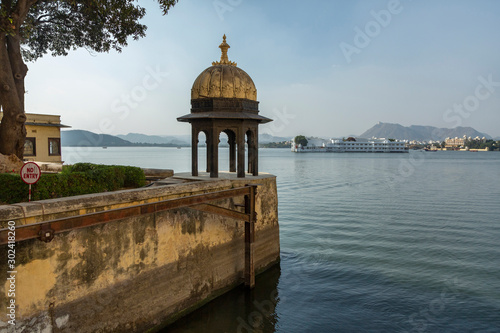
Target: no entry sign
pixel 30 173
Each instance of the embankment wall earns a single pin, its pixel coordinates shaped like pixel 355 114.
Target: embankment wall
pixel 136 274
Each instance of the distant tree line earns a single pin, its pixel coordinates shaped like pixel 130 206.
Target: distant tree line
pixel 282 144
pixel 476 144
pixel 440 145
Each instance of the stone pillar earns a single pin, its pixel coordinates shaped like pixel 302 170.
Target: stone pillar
pixel 194 151
pixel 241 153
pixel 253 152
pixel 209 153
pixel 255 162
pixel 214 153
pixel 250 151
pixel 232 152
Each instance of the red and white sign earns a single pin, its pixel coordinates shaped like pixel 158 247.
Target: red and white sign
pixel 30 173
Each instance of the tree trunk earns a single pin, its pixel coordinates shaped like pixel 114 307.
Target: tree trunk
pixel 12 74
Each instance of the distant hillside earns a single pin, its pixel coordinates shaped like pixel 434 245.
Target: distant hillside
pixel 267 138
pixel 186 139
pixel 419 133
pixel 143 138
pixel 80 138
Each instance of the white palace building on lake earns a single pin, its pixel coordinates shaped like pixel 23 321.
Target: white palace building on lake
pixel 351 145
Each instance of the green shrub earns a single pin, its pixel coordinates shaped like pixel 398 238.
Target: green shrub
pixel 118 175
pixel 134 177
pixel 12 188
pixel 77 179
pixel 48 187
pixel 85 167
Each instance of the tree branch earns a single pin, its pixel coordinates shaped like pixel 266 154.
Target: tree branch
pixel 39 18
pixel 19 8
pixel 21 11
pixel 7 85
pixel 52 20
pixel 12 129
pixel 18 67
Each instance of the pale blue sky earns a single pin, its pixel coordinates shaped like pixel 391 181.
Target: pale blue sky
pixel 315 73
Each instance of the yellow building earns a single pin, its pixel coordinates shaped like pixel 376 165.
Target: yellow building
pixel 455 142
pixel 43 138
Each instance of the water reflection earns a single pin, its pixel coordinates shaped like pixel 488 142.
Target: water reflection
pixel 239 310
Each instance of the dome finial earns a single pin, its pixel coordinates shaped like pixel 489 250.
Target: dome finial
pixel 224 60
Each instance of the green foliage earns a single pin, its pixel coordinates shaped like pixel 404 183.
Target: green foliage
pixel 116 176
pixel 13 188
pixel 301 140
pixel 77 179
pixel 282 144
pixel 57 26
pixel 134 177
pixel 479 144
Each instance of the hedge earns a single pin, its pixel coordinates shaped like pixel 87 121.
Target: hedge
pixel 77 179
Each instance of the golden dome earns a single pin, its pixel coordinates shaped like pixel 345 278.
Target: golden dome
pixel 224 80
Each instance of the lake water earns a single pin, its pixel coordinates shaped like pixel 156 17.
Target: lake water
pixel 369 242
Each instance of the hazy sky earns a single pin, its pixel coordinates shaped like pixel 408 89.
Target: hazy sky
pixel 325 68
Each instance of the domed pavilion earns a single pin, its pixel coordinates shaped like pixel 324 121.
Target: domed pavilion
pixel 224 99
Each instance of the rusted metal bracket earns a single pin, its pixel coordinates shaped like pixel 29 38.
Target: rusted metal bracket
pixel 250 217
pixel 46 234
pixel 212 209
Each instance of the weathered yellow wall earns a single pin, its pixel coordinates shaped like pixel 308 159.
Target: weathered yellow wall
pixel 42 135
pixel 135 274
